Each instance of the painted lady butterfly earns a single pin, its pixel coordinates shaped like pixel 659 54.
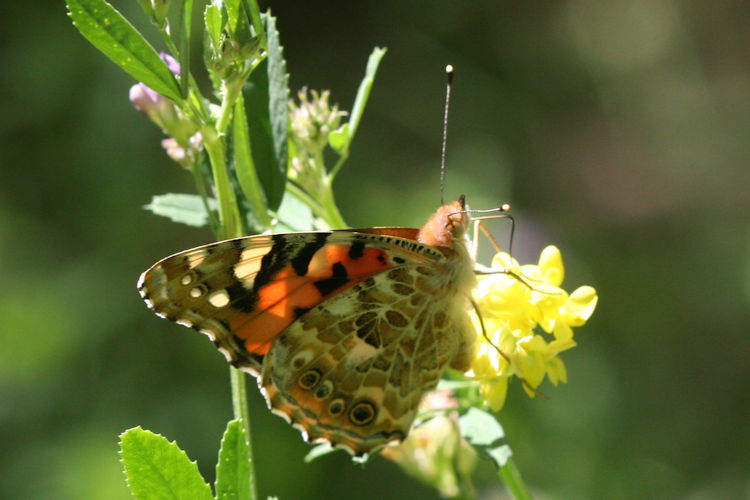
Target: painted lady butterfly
pixel 345 330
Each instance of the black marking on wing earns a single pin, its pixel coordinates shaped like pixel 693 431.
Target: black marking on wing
pixel 241 298
pixel 285 252
pixel 299 311
pixel 356 250
pixel 301 260
pixel 338 279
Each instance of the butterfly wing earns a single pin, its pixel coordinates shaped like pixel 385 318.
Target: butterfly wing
pixel 349 329
pixel 243 292
pixel 353 370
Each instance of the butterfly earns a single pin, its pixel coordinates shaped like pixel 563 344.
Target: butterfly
pixel 346 331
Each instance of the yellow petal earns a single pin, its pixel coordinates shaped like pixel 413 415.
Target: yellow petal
pixel 562 331
pixel 551 264
pixel 581 305
pixel 556 371
pixel 494 392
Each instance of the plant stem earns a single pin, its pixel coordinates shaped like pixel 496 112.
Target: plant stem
pixel 511 476
pixel 332 215
pixel 240 410
pixel 323 207
pixel 229 214
pixel 230 227
pixel 232 89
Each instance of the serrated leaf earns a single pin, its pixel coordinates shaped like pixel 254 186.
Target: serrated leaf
pixel 157 469
pixel 182 208
pixel 244 167
pixel 486 435
pixel 233 469
pixel 106 29
pixel 278 100
pixel 266 95
pixel 212 20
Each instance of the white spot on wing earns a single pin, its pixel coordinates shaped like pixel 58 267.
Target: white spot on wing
pixel 196 259
pixel 219 298
pixel 249 264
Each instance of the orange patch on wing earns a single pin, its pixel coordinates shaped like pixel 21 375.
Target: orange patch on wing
pixel 287 292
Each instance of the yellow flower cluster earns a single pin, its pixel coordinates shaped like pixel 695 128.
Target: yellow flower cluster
pixel 515 304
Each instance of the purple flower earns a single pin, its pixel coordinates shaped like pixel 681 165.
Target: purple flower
pixel 172 63
pixel 161 110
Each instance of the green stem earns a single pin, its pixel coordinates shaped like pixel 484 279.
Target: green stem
pixel 511 476
pixel 333 217
pixel 168 41
pixel 328 212
pixel 240 410
pixel 230 227
pixel 339 164
pixel 231 91
pixel 229 214
pixel 201 188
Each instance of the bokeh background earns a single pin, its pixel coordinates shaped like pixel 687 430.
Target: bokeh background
pixel 619 131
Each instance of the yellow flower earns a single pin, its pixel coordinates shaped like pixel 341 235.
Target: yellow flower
pixel 528 321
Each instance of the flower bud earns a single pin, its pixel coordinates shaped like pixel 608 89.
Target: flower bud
pixel 312 120
pixel 162 110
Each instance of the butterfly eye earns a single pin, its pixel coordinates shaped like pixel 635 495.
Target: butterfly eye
pixel 362 413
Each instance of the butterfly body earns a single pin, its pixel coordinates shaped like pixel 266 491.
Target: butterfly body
pixel 345 330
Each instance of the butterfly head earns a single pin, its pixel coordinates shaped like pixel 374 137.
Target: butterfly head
pixel 446 226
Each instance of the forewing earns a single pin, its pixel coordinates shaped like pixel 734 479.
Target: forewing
pixel 243 292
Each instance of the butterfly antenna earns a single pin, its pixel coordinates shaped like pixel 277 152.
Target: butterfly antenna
pixel 449 82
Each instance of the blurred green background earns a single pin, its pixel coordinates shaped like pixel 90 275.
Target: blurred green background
pixel 618 130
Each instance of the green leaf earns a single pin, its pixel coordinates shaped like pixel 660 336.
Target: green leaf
pixel 233 14
pixel 233 469
pixel 266 95
pixel 244 167
pixel 212 20
pixel 295 215
pixel 486 435
pixel 341 139
pixel 159 470
pixel 278 102
pixel 182 208
pixel 113 35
